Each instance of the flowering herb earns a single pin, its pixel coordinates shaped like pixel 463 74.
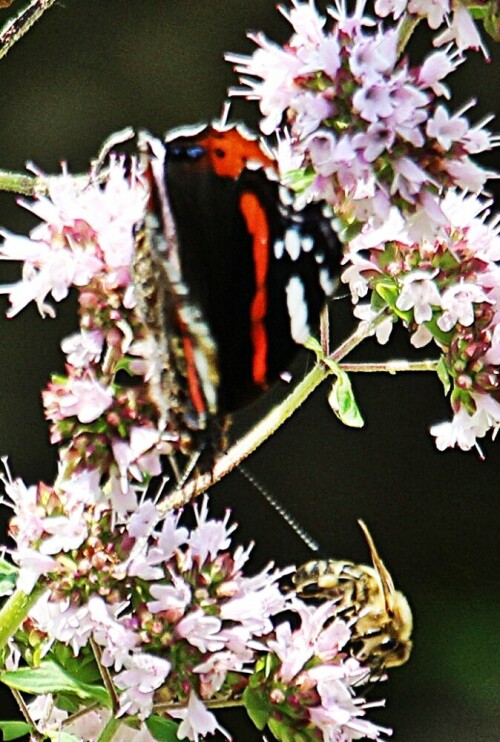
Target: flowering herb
pixel 369 134
pixel 124 623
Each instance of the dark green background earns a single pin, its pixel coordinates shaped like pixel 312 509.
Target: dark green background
pixel 90 67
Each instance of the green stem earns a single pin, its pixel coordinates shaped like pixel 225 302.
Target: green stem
pixel 390 367
pixel 109 730
pixel 106 676
pixel 268 425
pixel 214 704
pixel 408 26
pixel 15 29
pixel 15 611
pixel 25 185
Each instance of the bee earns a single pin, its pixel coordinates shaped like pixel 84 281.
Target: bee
pixel 381 616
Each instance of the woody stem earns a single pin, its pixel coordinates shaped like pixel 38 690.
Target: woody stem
pixel 268 425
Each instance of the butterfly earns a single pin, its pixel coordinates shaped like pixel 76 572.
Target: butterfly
pixel 230 277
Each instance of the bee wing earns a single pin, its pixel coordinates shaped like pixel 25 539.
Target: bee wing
pixel 385 578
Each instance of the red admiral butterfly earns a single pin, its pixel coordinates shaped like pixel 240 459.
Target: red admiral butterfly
pixel 230 277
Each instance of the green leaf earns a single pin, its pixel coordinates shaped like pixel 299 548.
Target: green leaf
pixel 84 666
pixel 298 180
pixel 59 736
pixel 280 731
pixel 443 374
pixel 8 577
pixel 164 730
pixel 312 344
pixel 14 729
pixel 49 677
pixel 257 708
pixel 341 400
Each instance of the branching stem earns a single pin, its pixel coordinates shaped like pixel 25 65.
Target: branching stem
pixel 268 425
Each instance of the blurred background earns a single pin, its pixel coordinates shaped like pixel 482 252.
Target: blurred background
pixel 90 68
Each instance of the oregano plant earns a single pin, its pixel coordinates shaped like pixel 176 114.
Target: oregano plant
pixel 125 618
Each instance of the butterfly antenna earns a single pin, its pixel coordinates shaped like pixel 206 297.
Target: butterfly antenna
pixel 285 514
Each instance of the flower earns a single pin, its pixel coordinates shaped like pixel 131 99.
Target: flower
pixel 144 673
pixel 445 289
pixel 363 125
pixel 197 721
pixel 309 680
pixel 88 231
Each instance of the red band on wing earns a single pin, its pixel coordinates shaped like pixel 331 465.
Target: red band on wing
pixel 255 218
pixel 193 378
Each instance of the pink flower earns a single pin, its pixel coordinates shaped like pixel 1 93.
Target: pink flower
pixel 145 673
pixel 446 129
pixel 462 31
pixel 170 597
pixel 139 454
pixel 339 715
pixel 435 68
pixel 117 641
pixel 461 431
pixel 83 348
pixel 457 303
pixel 143 520
pixel 420 293
pixel 395 8
pixel 64 532
pixel 84 398
pixel 201 631
pixel 210 536
pixel 434 10
pixel 197 720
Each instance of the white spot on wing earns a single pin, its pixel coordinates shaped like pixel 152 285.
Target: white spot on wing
pixel 286 196
pixel 297 309
pixel 279 249
pixel 292 243
pixel 307 243
pixel 326 281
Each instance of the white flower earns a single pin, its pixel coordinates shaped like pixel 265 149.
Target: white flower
pixel 201 631
pixel 420 293
pixel 170 597
pixel 85 398
pixel 83 348
pixel 197 720
pixel 145 673
pixel 457 303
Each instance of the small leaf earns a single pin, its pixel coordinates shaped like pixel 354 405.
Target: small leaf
pixel 443 374
pixel 312 344
pixel 164 730
pixel 49 677
pixel 14 729
pixel 341 400
pixel 257 708
pixel 8 577
pixel 298 180
pixel 280 731
pixel 59 736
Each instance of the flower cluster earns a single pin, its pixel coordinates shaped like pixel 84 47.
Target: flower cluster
pixel 309 679
pixel 365 132
pixel 444 290
pixel 368 135
pixel 461 29
pixel 87 240
pixel 176 622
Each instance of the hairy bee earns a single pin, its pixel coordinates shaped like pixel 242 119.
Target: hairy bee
pixel 381 636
